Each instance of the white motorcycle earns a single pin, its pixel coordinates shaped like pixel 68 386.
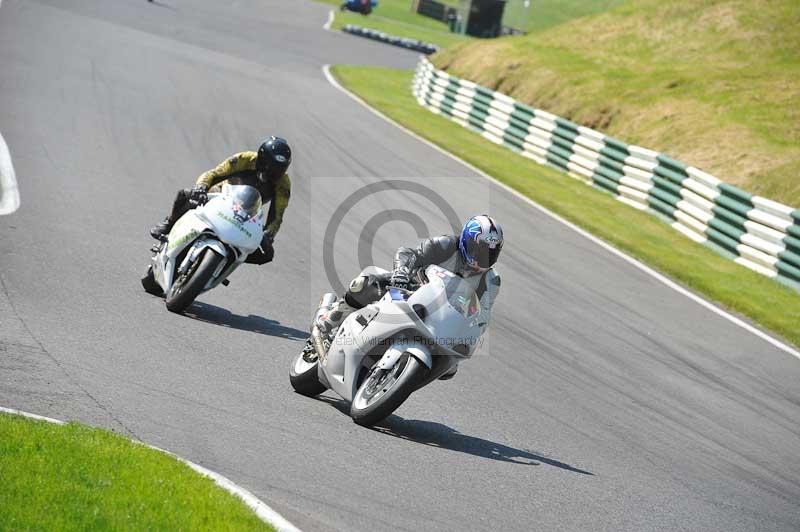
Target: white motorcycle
pixel 205 246
pixel 382 353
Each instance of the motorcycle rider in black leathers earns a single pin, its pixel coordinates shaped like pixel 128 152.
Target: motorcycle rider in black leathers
pixel 471 255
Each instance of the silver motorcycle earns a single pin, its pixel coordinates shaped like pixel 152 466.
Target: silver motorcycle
pixel 385 351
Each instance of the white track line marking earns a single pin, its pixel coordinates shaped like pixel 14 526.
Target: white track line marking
pixel 261 509
pixel 32 416
pixel 327 26
pixel 608 247
pixel 9 192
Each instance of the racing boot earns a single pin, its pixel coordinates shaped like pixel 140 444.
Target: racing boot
pixel 161 230
pixel 331 314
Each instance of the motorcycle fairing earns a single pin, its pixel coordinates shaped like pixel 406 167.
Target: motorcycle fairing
pixel 183 234
pixel 245 234
pixel 387 329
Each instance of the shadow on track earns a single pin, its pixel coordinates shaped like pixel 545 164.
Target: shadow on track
pixel 444 437
pixel 257 324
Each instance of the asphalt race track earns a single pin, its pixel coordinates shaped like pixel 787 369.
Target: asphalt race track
pixel 602 400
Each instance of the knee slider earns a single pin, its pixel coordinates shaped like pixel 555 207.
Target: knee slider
pixel 363 290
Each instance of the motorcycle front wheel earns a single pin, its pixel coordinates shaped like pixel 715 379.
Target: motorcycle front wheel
pixel 303 373
pixel 189 285
pixel 383 391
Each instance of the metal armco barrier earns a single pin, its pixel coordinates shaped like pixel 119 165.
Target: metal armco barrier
pixel 403 42
pixel 758 233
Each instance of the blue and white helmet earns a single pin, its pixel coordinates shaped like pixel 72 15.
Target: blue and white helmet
pixel 480 242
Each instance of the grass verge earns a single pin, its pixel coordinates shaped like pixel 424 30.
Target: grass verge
pixel 638 233
pixel 396 18
pixel 72 477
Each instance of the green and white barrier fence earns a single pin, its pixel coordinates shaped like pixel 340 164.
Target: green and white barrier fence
pixel 755 232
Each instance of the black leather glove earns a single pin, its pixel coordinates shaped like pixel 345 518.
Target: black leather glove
pixel 400 278
pixel 199 194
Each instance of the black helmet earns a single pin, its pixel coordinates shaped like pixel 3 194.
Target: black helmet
pixel 274 157
pixel 480 242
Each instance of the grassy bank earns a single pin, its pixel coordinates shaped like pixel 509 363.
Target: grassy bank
pixel 544 14
pixel 640 234
pixel 72 477
pixel 714 83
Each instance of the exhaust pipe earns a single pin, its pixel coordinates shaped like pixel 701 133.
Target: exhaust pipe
pixel 319 345
pixel 325 305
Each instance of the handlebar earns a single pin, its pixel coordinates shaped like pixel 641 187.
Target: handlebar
pixel 192 201
pixel 416 281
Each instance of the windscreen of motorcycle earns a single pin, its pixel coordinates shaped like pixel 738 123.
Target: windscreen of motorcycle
pixel 246 201
pixel 460 294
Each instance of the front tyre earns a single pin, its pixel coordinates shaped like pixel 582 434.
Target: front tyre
pixel 189 285
pixel 383 391
pixel 303 373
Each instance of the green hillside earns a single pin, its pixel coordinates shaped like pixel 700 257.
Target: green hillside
pixel 715 83
pixel 544 14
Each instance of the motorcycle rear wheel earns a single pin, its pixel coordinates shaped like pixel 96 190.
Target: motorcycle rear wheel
pixel 383 391
pixel 188 286
pixel 303 375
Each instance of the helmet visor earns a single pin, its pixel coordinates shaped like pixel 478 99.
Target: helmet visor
pixel 485 256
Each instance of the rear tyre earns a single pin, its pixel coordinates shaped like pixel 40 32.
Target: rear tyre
pixel 303 373
pixel 189 285
pixel 149 282
pixel 383 391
